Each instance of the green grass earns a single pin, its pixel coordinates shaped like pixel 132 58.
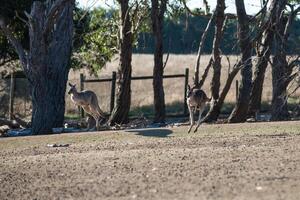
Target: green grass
pixel 72 116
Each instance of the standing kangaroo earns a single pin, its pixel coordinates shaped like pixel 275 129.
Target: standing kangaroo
pixel 88 101
pixel 196 100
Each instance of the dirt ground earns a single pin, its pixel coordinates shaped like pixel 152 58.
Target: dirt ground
pixel 237 161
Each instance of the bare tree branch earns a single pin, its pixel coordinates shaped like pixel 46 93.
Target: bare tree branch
pixel 295 62
pixel 11 124
pixel 166 61
pixel 205 73
pixel 206 7
pixel 21 122
pixel 259 12
pixel 229 65
pixel 16 44
pixel 20 18
pixel 190 11
pixel 203 37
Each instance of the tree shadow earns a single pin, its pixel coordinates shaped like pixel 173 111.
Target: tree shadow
pixel 155 132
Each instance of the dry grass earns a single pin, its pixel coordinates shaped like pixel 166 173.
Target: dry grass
pixel 142 92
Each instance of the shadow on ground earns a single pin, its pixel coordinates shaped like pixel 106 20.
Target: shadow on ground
pixel 158 132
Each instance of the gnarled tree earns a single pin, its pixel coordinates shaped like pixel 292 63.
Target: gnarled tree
pixel 282 71
pixel 46 63
pixel 264 52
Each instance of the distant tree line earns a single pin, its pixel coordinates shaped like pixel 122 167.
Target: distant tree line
pixel 182 36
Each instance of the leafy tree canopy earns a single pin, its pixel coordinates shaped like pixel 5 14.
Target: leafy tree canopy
pixel 96 38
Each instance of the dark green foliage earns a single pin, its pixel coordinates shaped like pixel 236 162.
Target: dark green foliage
pixel 8 10
pixel 96 38
pixel 182 36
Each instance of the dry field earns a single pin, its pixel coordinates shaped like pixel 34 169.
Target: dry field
pixel 142 94
pixel 232 161
pixel 142 91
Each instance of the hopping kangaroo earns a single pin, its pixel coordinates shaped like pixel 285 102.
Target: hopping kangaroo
pixel 196 100
pixel 88 101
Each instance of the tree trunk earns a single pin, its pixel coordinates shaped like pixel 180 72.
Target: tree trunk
pixel 279 109
pixel 123 96
pixel 200 49
pixel 46 65
pixel 263 57
pixel 50 56
pixel 157 16
pixel 215 82
pixel 214 112
pixel 239 113
pixel 280 73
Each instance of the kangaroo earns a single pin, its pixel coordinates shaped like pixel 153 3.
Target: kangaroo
pixel 88 101
pixel 196 100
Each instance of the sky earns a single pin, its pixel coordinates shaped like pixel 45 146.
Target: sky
pixel 252 6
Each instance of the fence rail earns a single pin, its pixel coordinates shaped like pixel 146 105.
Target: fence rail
pixel 113 80
pixel 113 86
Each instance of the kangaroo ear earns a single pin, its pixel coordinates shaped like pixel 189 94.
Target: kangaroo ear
pixel 70 85
pixel 188 87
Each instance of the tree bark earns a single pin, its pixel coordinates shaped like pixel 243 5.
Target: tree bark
pixel 51 45
pixel 157 16
pixel 263 57
pixel 200 49
pixel 216 62
pixel 281 70
pixel 215 110
pixel 215 82
pixel 239 113
pixel 123 96
pixel 279 108
pixel 46 65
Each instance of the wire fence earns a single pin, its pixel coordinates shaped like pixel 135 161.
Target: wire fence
pixel 15 95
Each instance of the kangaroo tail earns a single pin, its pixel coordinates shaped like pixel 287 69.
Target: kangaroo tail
pixel 97 107
pixel 100 112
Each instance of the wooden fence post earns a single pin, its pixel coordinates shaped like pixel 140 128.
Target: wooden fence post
pixel 113 91
pixel 81 89
pixel 186 82
pixel 11 95
pixel 236 90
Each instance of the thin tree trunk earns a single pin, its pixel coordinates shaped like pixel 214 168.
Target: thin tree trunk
pixel 157 16
pixel 215 110
pixel 200 49
pixel 215 82
pixel 239 113
pixel 123 96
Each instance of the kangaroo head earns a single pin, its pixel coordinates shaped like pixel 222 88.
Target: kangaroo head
pixel 208 99
pixel 72 89
pixel 188 91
